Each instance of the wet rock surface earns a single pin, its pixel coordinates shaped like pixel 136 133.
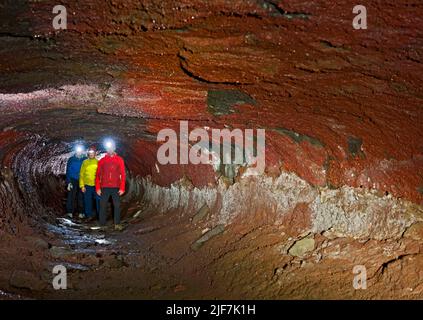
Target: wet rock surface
pixel 343 116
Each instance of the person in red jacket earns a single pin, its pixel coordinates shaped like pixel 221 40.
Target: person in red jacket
pixel 110 182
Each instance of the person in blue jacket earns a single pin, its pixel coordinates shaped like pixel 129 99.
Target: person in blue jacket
pixel 73 168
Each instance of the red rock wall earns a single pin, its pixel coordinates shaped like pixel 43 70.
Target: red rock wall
pixel 340 106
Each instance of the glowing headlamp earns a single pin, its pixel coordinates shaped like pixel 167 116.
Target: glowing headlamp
pixel 79 149
pixel 109 144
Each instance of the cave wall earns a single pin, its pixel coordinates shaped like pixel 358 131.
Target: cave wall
pixel 341 107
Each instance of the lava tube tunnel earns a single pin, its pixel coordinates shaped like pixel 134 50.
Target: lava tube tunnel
pixel 259 149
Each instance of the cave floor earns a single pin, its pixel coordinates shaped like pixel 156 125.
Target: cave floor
pixel 153 258
pixel 341 108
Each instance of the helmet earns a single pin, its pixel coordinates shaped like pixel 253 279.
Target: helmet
pixel 92 149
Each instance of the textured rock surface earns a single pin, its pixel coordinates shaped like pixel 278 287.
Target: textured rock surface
pixel 301 247
pixel 26 280
pixel 347 211
pixel 343 116
pixel 342 107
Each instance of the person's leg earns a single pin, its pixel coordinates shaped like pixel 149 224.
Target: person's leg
pixel 116 205
pixel 70 201
pixel 103 204
pixel 96 199
pixel 79 196
pixel 69 205
pixel 88 201
pixel 97 204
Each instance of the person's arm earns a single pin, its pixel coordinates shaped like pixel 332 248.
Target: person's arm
pixel 98 176
pixel 67 171
pixel 122 176
pixel 81 175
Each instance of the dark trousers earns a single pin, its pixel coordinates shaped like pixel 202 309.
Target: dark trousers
pixel 74 200
pixel 91 196
pixel 106 193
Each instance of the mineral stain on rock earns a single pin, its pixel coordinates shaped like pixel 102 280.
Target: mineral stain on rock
pixel 301 247
pixel 298 137
pixel 201 214
pixel 207 236
pixel 222 102
pixel 355 147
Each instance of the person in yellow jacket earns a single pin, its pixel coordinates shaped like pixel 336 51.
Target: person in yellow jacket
pixel 87 183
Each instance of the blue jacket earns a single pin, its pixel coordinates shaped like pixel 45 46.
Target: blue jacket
pixel 73 168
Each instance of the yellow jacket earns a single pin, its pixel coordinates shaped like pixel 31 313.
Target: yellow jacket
pixel 88 172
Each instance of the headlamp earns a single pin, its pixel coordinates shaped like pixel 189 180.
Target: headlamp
pixel 79 149
pixel 109 144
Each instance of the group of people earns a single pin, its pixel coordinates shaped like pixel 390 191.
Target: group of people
pixel 91 181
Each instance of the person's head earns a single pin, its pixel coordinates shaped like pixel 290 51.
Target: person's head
pixel 79 151
pixel 110 146
pixel 92 152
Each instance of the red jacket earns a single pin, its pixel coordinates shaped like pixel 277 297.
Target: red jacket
pixel 110 173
